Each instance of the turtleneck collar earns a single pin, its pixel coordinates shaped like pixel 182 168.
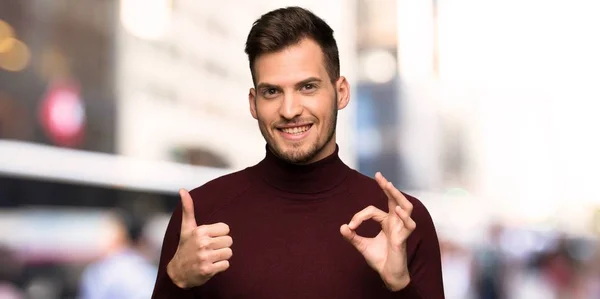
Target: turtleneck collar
pixel 317 177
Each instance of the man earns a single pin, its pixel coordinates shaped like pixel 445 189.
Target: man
pixel 295 224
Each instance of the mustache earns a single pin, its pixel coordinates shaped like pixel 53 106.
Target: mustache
pixel 295 121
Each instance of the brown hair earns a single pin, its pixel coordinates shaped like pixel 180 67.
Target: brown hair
pixel 285 27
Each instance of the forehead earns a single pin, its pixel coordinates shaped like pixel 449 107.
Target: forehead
pixel 291 65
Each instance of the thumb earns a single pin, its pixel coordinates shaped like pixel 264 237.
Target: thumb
pixel 351 236
pixel 188 219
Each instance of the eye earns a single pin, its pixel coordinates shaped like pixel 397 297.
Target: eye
pixel 309 87
pixel 270 92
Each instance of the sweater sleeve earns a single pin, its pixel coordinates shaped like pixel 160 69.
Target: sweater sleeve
pixel 425 265
pixel 164 287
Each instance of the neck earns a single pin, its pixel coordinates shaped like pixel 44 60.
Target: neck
pixel 323 173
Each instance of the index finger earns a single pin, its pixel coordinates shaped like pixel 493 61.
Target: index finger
pixel 383 183
pixel 213 230
pixel 395 197
pixel 404 203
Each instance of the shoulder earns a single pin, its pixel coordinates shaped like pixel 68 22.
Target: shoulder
pixel 224 186
pixel 218 192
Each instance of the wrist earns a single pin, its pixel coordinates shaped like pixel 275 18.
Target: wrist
pixel 172 273
pixel 398 284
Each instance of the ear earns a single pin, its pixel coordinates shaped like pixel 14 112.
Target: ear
pixel 252 102
pixel 343 92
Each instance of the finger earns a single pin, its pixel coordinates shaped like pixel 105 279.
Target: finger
pixel 398 235
pixel 392 203
pixel 353 238
pixel 220 266
pixel 409 223
pixel 212 230
pixel 395 197
pixel 211 269
pixel 220 242
pixel 219 255
pixel 401 200
pixel 385 185
pixel 367 213
pixel 381 180
pixel 402 230
pixel 188 219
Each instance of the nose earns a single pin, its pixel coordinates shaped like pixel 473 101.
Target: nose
pixel 291 106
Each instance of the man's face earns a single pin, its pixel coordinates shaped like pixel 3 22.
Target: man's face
pixel 296 104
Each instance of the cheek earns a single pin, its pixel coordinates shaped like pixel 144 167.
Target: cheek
pixel 322 109
pixel 264 114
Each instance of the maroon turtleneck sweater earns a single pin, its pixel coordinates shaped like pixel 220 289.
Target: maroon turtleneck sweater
pixel 285 223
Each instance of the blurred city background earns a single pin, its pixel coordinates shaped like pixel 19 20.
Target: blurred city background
pixel 485 110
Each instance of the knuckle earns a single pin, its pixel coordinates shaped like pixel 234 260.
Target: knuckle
pixel 199 231
pixel 204 243
pixel 205 270
pixel 371 210
pixel 203 256
pixel 398 243
pixel 404 214
pixel 412 225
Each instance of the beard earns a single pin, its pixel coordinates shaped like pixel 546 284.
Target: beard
pixel 300 152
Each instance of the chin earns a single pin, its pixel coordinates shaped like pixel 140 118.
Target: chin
pixel 297 153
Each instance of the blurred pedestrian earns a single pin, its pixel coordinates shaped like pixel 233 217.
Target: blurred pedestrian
pixel 125 272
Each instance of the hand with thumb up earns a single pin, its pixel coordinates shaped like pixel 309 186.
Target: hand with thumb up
pixel 203 251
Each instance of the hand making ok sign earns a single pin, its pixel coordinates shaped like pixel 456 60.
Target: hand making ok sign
pixel 386 252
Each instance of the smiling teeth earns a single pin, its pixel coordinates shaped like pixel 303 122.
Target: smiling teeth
pixel 296 130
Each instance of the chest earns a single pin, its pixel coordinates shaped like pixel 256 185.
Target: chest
pixel 293 250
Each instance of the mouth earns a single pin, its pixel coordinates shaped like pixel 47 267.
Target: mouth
pixel 296 132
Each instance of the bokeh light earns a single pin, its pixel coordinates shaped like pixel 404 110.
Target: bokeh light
pixel 16 57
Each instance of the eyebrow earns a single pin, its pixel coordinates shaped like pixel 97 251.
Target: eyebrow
pixel 264 85
pixel 308 80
